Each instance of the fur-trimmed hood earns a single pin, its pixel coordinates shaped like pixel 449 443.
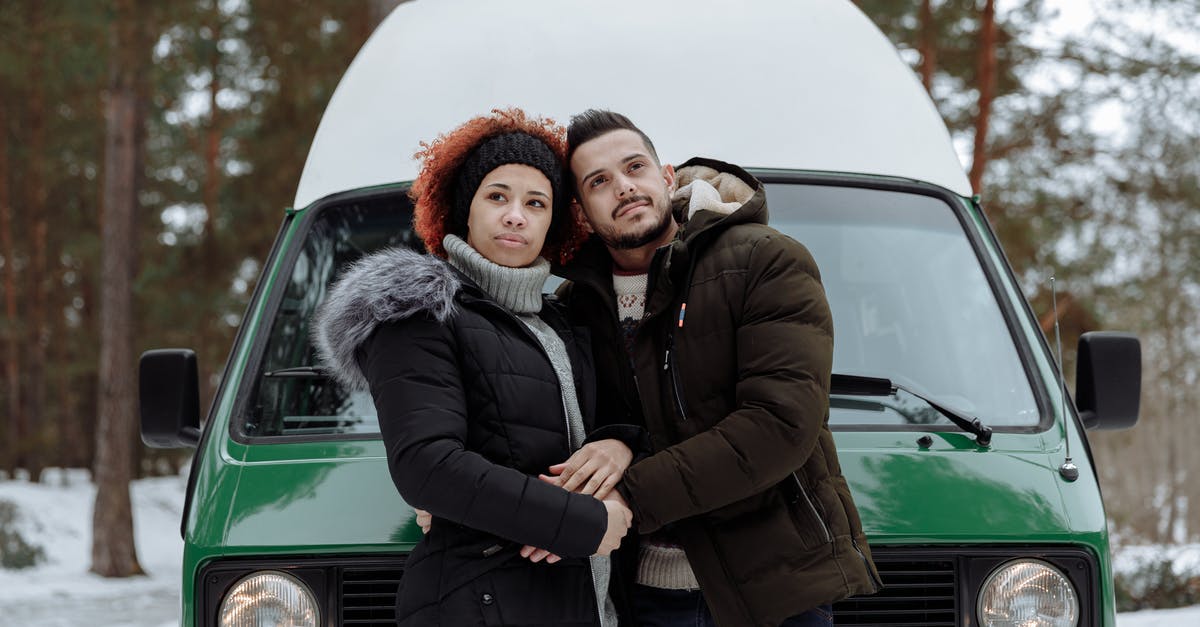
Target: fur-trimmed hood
pixel 392 284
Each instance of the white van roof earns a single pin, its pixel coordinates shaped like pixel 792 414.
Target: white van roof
pixel 809 85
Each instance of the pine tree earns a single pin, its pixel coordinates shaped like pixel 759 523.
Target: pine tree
pixel 113 551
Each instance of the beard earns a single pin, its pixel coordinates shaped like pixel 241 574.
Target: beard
pixel 616 240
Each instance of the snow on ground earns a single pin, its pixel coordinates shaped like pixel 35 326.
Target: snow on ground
pixel 1183 557
pixel 1181 617
pixel 57 515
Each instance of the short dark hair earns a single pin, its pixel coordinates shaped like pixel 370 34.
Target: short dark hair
pixel 593 123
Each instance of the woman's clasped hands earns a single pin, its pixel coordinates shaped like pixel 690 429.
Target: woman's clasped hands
pixel 594 469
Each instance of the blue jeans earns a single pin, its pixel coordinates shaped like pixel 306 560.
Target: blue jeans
pixel 686 608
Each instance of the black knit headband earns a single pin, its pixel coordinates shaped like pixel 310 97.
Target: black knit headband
pixel 520 148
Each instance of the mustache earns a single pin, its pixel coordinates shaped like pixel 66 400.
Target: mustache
pixel 629 201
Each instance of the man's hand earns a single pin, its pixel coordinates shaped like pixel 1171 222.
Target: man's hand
pixel 594 469
pixel 424 519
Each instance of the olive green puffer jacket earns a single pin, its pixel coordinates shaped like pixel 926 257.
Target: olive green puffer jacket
pixel 734 392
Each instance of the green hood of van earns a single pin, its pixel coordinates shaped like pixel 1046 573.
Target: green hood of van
pixel 951 494
pixel 342 496
pixel 318 496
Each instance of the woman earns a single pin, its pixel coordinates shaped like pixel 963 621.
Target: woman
pixel 481 386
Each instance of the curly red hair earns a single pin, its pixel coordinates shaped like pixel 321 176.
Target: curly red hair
pixel 432 191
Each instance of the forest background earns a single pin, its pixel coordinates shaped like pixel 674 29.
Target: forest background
pixel 148 149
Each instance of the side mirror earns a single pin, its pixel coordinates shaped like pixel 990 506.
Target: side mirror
pixel 169 393
pixel 1108 380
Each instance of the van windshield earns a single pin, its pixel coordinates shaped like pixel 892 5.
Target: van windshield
pixel 910 303
pixel 287 398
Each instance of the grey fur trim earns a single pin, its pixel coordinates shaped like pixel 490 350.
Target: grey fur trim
pixel 392 284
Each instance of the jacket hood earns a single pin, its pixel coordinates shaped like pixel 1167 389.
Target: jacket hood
pixel 714 195
pixel 392 284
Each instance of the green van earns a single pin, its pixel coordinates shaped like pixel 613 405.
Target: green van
pixel 968 462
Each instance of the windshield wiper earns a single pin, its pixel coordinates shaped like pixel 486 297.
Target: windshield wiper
pixel 299 372
pixel 853 385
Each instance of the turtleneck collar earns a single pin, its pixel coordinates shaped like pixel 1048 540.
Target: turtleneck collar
pixel 517 289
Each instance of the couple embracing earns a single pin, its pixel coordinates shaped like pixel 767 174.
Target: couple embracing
pixel 648 447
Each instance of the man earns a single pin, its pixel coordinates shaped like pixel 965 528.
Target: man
pixel 713 331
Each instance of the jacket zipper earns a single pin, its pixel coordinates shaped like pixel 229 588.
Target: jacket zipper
pixel 813 508
pixel 866 564
pixel 669 365
pixel 669 354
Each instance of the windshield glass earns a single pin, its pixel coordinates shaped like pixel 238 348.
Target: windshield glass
pixel 910 303
pixel 291 403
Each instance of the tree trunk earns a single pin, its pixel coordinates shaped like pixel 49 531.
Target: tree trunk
pixel 986 76
pixel 33 418
pixel 1169 479
pixel 66 444
pixel 209 262
pixel 1177 417
pixel 113 550
pixel 927 45
pixel 12 352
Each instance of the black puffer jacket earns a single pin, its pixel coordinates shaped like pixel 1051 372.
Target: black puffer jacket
pixel 470 411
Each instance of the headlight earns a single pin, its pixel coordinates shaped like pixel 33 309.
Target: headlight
pixel 1028 593
pixel 269 598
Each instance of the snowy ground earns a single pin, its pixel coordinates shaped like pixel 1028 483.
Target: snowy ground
pixel 1181 617
pixel 57 515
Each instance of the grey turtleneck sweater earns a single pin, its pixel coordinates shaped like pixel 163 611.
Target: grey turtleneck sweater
pixel 520 291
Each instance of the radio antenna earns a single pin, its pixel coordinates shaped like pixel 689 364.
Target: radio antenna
pixel 1068 470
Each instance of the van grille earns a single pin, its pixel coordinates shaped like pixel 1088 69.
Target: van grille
pixel 916 591
pixel 368 595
